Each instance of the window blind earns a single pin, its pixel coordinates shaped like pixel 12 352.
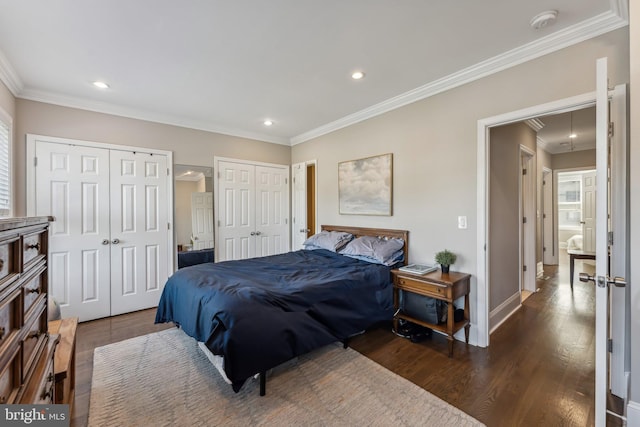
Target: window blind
pixel 5 173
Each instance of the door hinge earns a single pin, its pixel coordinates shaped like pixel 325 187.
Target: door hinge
pixel 544 182
pixel 524 219
pixel 524 171
pixel 286 180
pixel 286 221
pixel 610 345
pixel 544 249
pixel 218 223
pixel 610 129
pixel 610 237
pixel 35 161
pixel 524 268
pixel 168 172
pixel 168 226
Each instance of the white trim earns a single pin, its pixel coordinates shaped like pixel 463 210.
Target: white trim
pixel 9 76
pixel 527 209
pixel 539 270
pixel 134 113
pixel 482 286
pixel 31 178
pixel 595 26
pixel 515 298
pixel 8 121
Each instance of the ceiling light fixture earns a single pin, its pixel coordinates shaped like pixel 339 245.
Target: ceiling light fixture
pixel 544 19
pixel 101 85
pixel 268 122
pixel 357 75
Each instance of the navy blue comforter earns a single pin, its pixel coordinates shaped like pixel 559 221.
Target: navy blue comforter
pixel 261 312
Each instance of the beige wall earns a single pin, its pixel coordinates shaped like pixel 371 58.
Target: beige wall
pixel 434 144
pixel 575 159
pixel 635 202
pixel 191 147
pixel 504 216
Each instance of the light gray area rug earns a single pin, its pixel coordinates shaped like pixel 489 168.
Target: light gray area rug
pixel 163 379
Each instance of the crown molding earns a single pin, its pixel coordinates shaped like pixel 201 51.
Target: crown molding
pixel 133 113
pixel 9 77
pixel 598 25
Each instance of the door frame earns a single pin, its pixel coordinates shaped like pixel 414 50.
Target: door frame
pixel 548 233
pixel 527 232
pixel 31 140
pixel 294 226
pixel 484 126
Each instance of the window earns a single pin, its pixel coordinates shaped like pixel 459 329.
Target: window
pixel 5 163
pixel 569 201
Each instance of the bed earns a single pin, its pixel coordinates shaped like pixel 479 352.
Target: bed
pixel 255 314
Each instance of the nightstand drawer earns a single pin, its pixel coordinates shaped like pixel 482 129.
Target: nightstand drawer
pixel 33 248
pixel 423 288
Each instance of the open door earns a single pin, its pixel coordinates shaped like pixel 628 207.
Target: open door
pixel 299 228
pixel 602 278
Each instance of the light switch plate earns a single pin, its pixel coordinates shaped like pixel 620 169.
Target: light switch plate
pixel 462 222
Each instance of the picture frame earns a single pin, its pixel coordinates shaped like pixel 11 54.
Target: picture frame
pixel 365 186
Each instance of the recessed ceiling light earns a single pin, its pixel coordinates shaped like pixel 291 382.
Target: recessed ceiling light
pixel 101 85
pixel 573 135
pixel 357 75
pixel 268 122
pixel 543 19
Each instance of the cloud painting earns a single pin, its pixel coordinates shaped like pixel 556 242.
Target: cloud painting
pixel 365 185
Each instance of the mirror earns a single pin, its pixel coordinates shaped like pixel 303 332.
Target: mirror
pixel 194 208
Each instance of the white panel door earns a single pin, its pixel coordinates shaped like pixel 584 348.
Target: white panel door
pixel 299 220
pixel 272 207
pixel 202 220
pixel 589 212
pixel 72 185
pixel 236 211
pixel 138 229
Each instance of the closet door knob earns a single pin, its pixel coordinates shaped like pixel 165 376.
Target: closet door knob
pixel 115 241
pixel 105 242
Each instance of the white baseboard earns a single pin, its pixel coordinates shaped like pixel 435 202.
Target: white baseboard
pixel 633 414
pixel 539 270
pixel 505 310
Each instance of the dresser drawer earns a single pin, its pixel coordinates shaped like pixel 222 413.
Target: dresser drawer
pixel 10 376
pixel 33 247
pixel 9 267
pixel 34 338
pixel 46 389
pixel 10 317
pixel 424 288
pixel 33 288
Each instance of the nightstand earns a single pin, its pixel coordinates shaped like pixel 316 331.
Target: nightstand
pixel 443 286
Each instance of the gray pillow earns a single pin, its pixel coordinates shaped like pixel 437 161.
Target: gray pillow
pixel 375 249
pixel 329 240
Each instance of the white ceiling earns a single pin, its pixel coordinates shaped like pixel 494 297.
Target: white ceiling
pixel 226 66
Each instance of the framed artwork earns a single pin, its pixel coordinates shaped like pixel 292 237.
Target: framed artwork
pixel 365 186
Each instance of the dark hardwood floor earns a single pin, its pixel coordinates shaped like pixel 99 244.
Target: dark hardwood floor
pixel 537 371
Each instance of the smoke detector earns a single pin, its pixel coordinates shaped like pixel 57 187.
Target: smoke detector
pixel 544 19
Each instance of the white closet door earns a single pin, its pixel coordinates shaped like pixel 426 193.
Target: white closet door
pixel 236 211
pixel 72 185
pixel 202 220
pixel 138 230
pixel 272 207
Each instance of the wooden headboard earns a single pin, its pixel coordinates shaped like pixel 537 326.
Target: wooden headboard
pixel 378 232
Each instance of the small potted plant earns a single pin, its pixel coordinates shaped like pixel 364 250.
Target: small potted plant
pixel 445 259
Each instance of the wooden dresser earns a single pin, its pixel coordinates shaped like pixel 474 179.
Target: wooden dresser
pixel 26 349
